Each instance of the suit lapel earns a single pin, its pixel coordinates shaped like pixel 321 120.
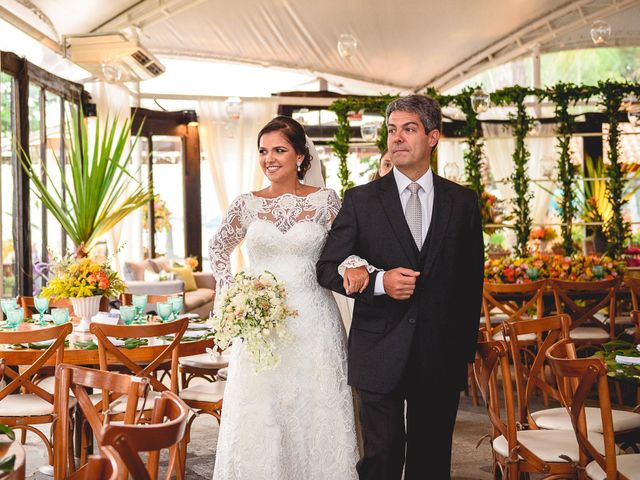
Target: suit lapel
pixel 393 209
pixel 439 220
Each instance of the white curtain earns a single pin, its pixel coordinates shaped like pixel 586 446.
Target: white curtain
pixel 114 101
pixel 451 152
pixel 498 147
pixel 231 149
pixel 543 154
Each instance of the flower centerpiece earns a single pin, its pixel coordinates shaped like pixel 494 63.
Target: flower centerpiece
pixel 254 309
pixel 515 270
pixel 581 268
pixel 84 281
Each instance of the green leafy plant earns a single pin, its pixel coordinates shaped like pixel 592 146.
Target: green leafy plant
pixel 100 191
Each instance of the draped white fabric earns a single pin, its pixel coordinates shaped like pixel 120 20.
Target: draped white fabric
pixel 114 101
pixel 450 151
pixel 231 149
pixel 542 149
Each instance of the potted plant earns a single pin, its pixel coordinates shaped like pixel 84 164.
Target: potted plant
pixel 98 191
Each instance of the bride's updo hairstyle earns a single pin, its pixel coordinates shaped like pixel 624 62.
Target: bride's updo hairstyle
pixel 294 133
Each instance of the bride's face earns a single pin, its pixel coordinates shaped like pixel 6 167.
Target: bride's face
pixel 278 158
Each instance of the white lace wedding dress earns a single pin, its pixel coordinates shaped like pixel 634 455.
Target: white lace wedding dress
pixel 294 422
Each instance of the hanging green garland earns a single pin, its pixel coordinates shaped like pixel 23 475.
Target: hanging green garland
pixel 472 132
pixel 521 124
pixel 564 94
pixel 616 229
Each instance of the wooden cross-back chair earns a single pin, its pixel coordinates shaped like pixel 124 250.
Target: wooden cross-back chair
pixel 77 380
pixel 108 352
pixel 165 430
pixel 22 402
pixel 518 452
pixel 634 291
pixel 517 302
pixel 127 298
pixel 530 377
pixel 29 306
pixel 103 467
pixel 577 378
pixel 587 330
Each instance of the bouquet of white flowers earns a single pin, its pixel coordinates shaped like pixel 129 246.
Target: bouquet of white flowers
pixel 254 309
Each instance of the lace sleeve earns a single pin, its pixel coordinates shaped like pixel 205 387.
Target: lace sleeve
pixel 354 261
pixel 333 207
pixel 230 233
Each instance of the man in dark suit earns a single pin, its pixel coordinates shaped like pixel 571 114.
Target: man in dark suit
pixel 416 314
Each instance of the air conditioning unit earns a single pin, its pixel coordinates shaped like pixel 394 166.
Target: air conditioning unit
pixel 112 55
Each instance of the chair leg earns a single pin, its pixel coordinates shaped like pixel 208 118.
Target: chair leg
pixel 23 436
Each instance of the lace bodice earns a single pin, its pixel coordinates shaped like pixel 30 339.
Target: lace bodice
pixel 283 212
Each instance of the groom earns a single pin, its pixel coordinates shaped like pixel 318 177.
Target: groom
pixel 416 316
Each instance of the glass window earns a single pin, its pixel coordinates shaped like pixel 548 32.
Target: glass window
pixel 7 256
pixel 36 210
pixel 54 145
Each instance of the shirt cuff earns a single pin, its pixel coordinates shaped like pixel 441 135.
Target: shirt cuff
pixel 378 288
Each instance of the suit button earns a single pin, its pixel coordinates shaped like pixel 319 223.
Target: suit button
pixel 412 321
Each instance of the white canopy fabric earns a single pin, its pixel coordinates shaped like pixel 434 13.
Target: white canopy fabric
pixel 403 45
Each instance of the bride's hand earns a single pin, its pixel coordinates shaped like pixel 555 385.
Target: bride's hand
pixel 355 280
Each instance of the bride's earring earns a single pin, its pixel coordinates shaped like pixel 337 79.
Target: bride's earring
pixel 299 163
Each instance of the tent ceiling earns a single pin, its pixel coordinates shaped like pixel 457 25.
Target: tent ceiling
pixel 405 44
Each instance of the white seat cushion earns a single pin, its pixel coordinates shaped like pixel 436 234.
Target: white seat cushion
pixel 548 445
pixel 620 320
pixel 628 465
pixel 631 331
pixel 27 405
pixel 525 337
pixel 49 384
pixel 588 333
pixel 119 405
pixel 496 319
pixel 223 373
pixel 559 419
pixel 204 360
pixel 205 392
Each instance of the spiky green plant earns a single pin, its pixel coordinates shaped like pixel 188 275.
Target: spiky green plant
pixel 101 191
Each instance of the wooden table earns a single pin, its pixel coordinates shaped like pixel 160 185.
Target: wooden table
pixel 13 448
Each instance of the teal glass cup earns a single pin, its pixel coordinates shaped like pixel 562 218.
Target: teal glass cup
pixel 15 317
pixel 164 310
pixel 41 304
pixel 140 302
pixel 8 304
pixel 176 305
pixel 128 314
pixel 60 315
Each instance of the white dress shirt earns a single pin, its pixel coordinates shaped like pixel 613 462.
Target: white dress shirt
pixel 425 195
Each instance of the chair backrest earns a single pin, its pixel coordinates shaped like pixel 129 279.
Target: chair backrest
pixel 635 318
pixel 28 304
pixel 519 299
pixel 104 466
pixel 70 378
pixel 595 295
pixel 634 289
pixel 166 430
pixel 106 349
pixel 578 377
pixel 54 353
pixel 528 378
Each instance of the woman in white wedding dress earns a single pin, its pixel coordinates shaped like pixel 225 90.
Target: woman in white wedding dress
pixel 296 421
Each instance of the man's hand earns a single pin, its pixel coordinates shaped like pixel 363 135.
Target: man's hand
pixel 399 283
pixel 355 280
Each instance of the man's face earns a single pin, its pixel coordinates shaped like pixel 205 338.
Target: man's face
pixel 408 143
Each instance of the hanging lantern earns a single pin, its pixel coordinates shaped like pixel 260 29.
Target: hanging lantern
pixel 480 101
pixel 452 171
pixel 347 45
pixel 369 131
pixel 600 32
pixel 233 107
pixel 111 71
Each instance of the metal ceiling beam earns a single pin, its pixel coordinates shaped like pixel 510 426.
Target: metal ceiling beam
pixel 524 40
pixel 145 13
pixel 197 55
pixel 33 32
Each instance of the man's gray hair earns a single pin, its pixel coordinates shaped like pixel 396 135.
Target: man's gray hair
pixel 426 107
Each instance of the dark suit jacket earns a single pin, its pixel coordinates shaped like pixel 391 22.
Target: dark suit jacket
pixel 444 310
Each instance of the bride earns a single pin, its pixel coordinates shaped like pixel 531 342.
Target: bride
pixel 295 421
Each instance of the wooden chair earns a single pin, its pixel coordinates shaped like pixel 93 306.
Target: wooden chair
pixel 23 403
pixel 518 452
pixel 104 466
pixel 28 304
pixel 587 329
pixel 578 377
pixel 202 366
pixel 555 328
pixel 96 410
pixel 19 466
pixel 109 354
pixel 520 298
pixel 127 298
pixel 635 316
pixel 166 430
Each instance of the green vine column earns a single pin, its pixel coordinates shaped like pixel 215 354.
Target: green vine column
pixel 472 131
pixel 616 229
pixel 521 124
pixel 563 94
pixel 340 143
